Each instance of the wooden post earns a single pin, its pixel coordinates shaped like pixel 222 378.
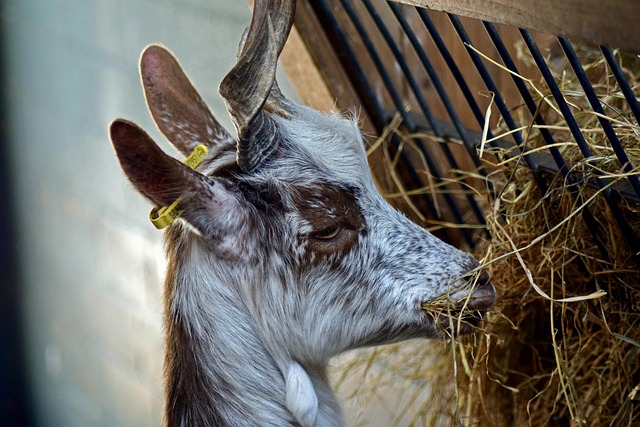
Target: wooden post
pixel 601 22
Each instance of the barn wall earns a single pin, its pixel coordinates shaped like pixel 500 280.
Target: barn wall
pixel 91 263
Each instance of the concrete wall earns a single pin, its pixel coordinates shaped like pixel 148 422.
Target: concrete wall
pixel 92 264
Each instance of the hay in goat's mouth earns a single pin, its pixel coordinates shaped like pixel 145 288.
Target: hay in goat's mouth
pixel 562 346
pixel 456 315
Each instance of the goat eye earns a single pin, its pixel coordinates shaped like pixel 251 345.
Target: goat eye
pixel 327 233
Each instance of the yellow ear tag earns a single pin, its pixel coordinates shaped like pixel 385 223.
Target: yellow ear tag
pixel 165 215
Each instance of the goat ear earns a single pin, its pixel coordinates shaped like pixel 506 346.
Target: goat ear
pixel 210 207
pixel 157 176
pixel 176 107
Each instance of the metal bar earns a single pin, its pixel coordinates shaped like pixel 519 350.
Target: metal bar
pixel 622 82
pixel 404 67
pixel 453 67
pixel 444 97
pixel 422 102
pixel 556 93
pixel 546 135
pixel 378 114
pixel 526 95
pixel 375 57
pixel 347 55
pixel 502 107
pixel 399 105
pixel 597 107
pixel 582 144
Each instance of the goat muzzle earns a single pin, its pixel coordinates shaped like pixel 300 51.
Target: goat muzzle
pixel 460 312
pixel 482 295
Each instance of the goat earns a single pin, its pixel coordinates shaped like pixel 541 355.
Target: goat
pixel 284 254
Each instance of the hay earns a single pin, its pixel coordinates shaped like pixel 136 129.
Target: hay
pixel 563 345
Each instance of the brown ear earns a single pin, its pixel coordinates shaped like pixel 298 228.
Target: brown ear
pixel 176 107
pixel 157 176
pixel 216 212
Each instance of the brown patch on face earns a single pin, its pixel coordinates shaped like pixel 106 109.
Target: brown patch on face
pixel 335 220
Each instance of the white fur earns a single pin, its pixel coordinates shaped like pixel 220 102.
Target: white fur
pixel 302 400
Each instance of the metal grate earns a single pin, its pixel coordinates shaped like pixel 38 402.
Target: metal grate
pixel 425 67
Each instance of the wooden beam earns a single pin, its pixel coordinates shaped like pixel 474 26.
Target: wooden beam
pixel 601 22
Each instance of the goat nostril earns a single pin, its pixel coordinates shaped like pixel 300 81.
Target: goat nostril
pixel 483 280
pixel 478 294
pixel 483 295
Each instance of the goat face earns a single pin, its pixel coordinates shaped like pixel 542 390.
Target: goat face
pixel 322 257
pixel 287 219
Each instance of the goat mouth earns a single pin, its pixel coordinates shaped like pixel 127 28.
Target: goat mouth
pixel 461 312
pixel 453 324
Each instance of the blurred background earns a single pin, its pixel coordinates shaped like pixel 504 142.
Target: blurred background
pixel 81 266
